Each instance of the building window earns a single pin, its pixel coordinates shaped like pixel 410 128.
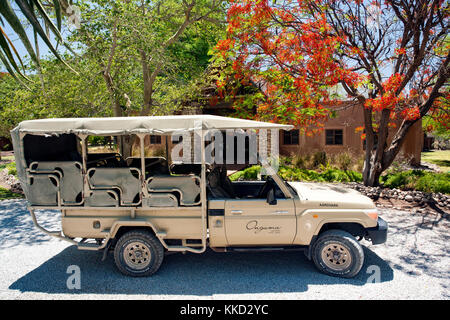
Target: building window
pixel 334 137
pixel 291 137
pixel 155 139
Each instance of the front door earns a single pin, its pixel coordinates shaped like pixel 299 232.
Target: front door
pixel 256 222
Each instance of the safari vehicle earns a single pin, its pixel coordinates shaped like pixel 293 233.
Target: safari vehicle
pixel 142 207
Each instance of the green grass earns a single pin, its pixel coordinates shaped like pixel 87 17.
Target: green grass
pixel 11 166
pixel 6 194
pixel 7 158
pixel 441 158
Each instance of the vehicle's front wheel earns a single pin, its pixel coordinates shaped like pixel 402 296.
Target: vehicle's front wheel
pixel 138 253
pixel 338 253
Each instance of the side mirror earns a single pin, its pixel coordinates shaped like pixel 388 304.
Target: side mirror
pixel 271 197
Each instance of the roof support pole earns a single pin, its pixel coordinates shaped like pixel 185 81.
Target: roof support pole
pixel 86 189
pixel 83 138
pixel 203 189
pixel 142 155
pixel 23 162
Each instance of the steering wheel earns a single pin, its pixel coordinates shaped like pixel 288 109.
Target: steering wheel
pixel 269 184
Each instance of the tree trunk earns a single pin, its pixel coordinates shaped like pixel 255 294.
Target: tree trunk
pixel 376 165
pixel 126 146
pixel 125 143
pixel 371 176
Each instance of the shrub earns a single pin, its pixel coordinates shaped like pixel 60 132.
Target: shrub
pixel 98 140
pixel 12 168
pixel 286 161
pixel 438 182
pixel 319 158
pixel 247 174
pixel 298 174
pixel 359 164
pixel 6 194
pixel 343 161
pixel 418 180
pixel 302 161
pixel 157 152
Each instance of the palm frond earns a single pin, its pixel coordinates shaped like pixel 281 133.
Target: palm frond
pixel 28 12
pixel 7 12
pixel 32 10
pixel 5 47
pixel 10 70
pixel 12 47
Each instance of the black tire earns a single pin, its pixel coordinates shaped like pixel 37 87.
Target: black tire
pixel 338 253
pixel 149 259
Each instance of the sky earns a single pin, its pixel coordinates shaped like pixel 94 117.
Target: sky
pixel 43 49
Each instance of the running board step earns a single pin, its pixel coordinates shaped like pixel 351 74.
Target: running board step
pixel 265 249
pixel 88 246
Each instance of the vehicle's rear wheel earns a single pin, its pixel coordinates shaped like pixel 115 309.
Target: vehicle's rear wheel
pixel 138 253
pixel 338 253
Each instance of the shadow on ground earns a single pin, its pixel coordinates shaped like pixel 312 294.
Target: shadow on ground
pixel 16 225
pixel 193 274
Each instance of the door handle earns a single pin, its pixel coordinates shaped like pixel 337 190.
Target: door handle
pixel 281 212
pixel 236 212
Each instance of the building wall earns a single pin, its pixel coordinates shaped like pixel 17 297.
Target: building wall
pixel 413 145
pixel 347 120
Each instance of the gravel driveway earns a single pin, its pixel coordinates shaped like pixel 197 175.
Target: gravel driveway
pixel 413 264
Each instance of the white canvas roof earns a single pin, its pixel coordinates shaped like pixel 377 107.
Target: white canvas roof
pixel 128 125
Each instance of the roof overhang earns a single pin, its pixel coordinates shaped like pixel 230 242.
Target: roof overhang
pixel 145 125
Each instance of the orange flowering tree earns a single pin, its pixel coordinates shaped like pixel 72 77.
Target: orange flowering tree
pixel 391 58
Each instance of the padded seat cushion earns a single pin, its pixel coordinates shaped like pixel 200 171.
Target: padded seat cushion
pixel 161 199
pixel 102 198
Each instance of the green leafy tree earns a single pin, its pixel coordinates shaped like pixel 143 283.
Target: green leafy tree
pixel 134 58
pixel 161 46
pixel 66 94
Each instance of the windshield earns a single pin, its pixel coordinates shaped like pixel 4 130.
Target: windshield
pixel 291 189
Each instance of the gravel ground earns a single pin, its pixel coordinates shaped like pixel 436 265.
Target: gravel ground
pixel 413 264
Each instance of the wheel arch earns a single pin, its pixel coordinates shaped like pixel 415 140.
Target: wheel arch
pixel 121 227
pixel 354 228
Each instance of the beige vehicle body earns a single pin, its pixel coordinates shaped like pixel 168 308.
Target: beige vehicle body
pixel 100 203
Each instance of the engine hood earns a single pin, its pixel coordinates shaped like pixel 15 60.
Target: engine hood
pixel 327 195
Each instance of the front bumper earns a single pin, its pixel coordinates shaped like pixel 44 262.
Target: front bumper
pixel 378 234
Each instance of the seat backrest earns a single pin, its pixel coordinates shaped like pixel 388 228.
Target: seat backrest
pixel 187 186
pixel 214 184
pixel 127 180
pixel 70 178
pixel 43 189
